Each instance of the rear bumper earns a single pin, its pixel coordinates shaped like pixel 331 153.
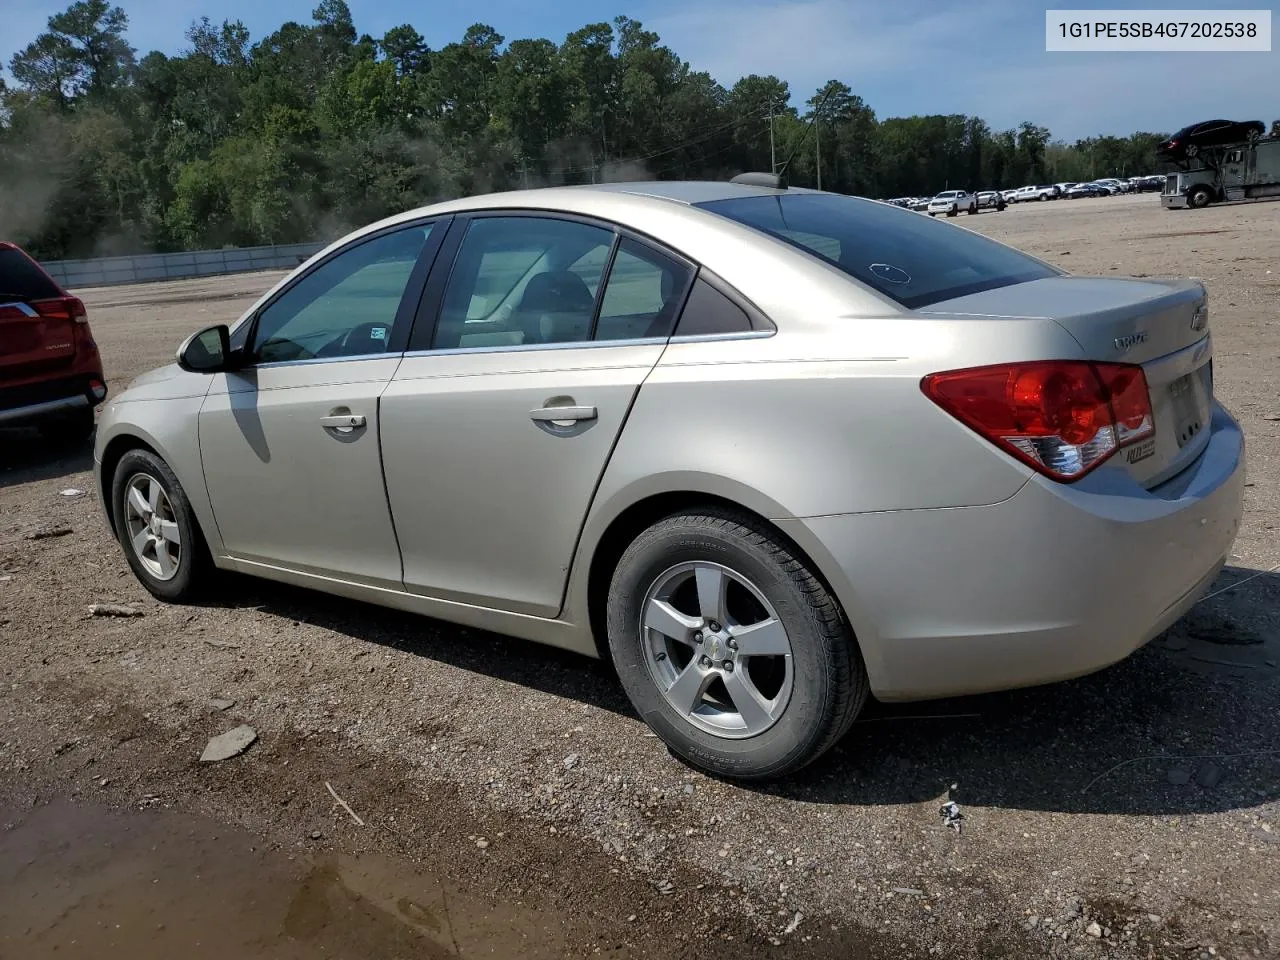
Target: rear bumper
pixel 1057 581
pixel 49 398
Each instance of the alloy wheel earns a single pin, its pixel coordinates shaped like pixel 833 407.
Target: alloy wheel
pixel 152 526
pixel 717 650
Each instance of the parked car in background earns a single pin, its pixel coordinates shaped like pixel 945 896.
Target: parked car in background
pixel 50 370
pixel 1190 140
pixel 1045 191
pixel 654 486
pixel 1010 196
pixel 1117 185
pixel 1063 187
pixel 952 202
pixel 990 200
pixel 920 204
pixel 1087 190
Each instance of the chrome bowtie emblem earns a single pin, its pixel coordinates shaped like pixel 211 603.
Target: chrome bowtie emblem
pixel 1130 340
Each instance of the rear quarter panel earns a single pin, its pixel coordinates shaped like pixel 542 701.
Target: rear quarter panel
pixel 827 419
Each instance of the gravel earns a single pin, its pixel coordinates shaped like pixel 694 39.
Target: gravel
pixel 449 730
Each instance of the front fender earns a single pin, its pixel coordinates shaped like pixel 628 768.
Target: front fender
pixel 170 428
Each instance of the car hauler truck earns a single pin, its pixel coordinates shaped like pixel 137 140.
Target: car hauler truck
pixel 1240 171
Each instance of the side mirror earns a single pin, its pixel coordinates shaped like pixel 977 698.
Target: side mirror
pixel 207 351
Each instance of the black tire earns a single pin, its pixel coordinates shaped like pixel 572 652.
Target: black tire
pixel 829 680
pixel 68 429
pixel 1199 197
pixel 194 565
pixel 952 212
pixel 973 208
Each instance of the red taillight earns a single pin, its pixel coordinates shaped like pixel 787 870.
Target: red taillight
pixel 63 308
pixel 1063 417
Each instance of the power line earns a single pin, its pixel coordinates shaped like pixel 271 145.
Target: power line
pixel 755 115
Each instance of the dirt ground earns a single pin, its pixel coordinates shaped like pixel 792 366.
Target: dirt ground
pixel 511 804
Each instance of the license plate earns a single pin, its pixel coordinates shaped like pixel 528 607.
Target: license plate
pixel 1188 411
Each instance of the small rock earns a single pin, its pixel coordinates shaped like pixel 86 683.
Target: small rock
pixel 48 532
pixel 316 834
pixel 795 922
pixel 71 492
pixel 482 843
pixel 1179 776
pixel 1094 930
pixel 1209 775
pixel 631 918
pixel 1154 917
pixel 688 788
pixel 229 744
pixel 112 610
pixel 571 761
pixel 909 891
pixel 221 704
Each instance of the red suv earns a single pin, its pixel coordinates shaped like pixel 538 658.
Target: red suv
pixel 50 370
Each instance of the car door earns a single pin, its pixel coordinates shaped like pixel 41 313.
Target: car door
pixel 496 428
pixel 289 442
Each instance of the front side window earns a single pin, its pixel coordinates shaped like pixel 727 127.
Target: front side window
pixel 347 306
pixel 915 261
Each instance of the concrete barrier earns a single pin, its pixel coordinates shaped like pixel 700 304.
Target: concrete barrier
pixel 108 271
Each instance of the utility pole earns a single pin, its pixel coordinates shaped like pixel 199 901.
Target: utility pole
pixel 817 152
pixel 773 157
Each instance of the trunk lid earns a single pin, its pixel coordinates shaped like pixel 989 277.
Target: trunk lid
pixel 35 338
pixel 37 319
pixel 1161 325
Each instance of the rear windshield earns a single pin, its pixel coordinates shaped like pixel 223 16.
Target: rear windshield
pixel 910 258
pixel 22 280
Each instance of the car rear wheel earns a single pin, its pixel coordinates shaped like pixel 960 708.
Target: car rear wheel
pixel 730 648
pixel 70 429
pixel 157 529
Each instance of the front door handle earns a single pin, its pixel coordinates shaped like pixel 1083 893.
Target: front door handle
pixel 562 416
pixel 344 421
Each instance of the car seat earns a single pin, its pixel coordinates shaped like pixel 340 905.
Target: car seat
pixel 556 308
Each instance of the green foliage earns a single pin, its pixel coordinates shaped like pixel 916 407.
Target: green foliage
pixel 315 129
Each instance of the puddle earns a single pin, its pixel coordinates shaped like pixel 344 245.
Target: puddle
pixel 84 881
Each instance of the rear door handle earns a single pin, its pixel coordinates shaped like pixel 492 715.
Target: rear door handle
pixel 562 415
pixel 347 421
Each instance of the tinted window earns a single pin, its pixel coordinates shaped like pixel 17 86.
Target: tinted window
pixel 642 295
pixel 911 259
pixel 344 308
pixel 523 280
pixel 22 280
pixel 709 312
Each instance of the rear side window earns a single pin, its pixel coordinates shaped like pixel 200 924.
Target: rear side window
pixel 912 259
pixel 708 312
pixel 22 280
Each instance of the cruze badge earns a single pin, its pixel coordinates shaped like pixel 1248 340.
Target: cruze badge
pixel 1130 340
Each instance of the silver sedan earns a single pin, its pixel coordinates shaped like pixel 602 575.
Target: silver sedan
pixel 770 450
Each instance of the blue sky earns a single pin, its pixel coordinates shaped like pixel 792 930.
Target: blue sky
pixel 983 57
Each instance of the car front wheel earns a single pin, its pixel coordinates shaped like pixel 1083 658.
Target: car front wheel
pixel 157 529
pixel 730 648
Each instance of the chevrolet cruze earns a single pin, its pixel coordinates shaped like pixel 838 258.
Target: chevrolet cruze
pixel 770 450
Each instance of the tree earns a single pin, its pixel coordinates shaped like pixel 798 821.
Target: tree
pixel 314 129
